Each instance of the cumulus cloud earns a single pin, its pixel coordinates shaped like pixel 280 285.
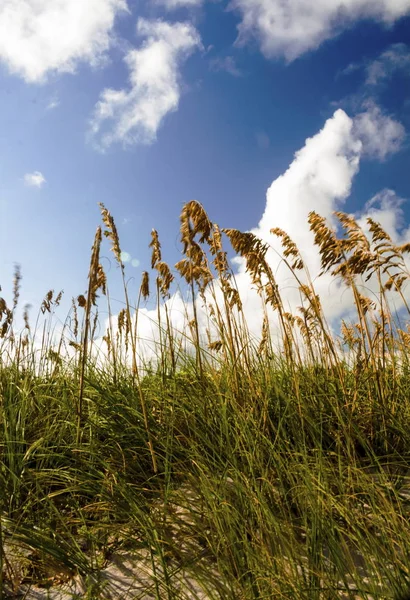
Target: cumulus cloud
pixel 291 28
pixel 134 115
pixel 381 135
pixel 385 208
pixel 38 36
pixel 35 179
pixel 395 58
pixel 319 178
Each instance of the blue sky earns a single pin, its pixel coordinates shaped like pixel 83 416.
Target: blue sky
pixel 221 97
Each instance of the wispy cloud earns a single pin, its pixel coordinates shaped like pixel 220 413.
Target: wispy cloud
pixel 289 29
pixel 173 4
pixel 396 58
pixel 381 135
pixel 54 102
pixel 42 36
pixel 226 63
pixel 35 179
pixel 134 115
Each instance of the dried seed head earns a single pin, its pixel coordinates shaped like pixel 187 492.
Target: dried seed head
pixel 396 280
pixel 197 272
pixel 265 335
pixel 58 299
pixel 156 248
pixel 349 336
pixel 290 248
pixel 145 285
pixel 77 347
pixel 355 235
pixel 216 345
pixel 121 320
pixel 75 316
pixel 253 250
pixel 25 316
pixel 3 307
pixel 216 240
pixel 96 274
pixel 16 285
pixel 101 280
pixel 194 220
pixel 8 318
pixel 378 233
pixel 404 248
pixel 47 302
pixel 330 248
pixel 82 302
pixel 165 278
pixel 366 303
pixel 111 233
pixel 107 340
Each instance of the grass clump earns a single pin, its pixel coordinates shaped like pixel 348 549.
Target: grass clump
pixel 229 467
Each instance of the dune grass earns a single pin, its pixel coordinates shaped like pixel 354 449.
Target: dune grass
pixel 269 468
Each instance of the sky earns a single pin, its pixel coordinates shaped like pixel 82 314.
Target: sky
pixel 262 110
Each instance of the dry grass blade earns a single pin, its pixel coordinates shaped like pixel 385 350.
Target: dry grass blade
pixel 94 281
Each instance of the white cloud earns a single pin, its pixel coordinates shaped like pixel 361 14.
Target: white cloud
pixel 381 134
pixel 386 208
pixel 396 58
pixel 53 104
pixel 134 115
pixel 226 63
pixel 42 36
pixel 319 178
pixel 291 28
pixel 35 179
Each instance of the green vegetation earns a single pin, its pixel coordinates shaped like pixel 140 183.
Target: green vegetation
pixel 259 470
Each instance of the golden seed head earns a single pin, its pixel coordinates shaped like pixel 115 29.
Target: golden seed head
pixel 16 285
pixel 290 248
pixel 111 233
pixel 145 285
pixel 47 302
pixel 216 345
pixel 156 248
pixel 165 278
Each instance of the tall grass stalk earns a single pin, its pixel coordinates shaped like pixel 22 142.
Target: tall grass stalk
pixel 233 466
